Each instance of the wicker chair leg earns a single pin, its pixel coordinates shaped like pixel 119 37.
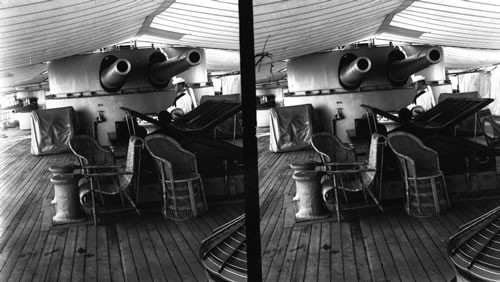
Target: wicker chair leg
pixel 374 199
pixel 417 196
pixel 435 196
pixel 191 199
pixel 446 191
pixel 92 193
pixel 337 204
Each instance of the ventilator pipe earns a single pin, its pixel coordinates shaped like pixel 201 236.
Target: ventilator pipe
pixel 113 76
pixel 160 73
pixel 352 75
pixel 400 69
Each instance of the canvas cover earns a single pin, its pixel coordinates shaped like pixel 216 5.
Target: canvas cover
pixel 51 130
pixel 291 128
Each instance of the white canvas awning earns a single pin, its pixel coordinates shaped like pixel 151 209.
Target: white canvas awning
pixel 33 32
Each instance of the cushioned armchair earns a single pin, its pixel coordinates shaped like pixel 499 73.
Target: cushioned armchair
pixel 426 192
pixel 183 194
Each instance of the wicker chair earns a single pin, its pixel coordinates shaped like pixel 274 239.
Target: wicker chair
pixel 355 177
pixel 183 194
pixel 491 130
pixel 90 152
pixel 106 177
pixel 426 193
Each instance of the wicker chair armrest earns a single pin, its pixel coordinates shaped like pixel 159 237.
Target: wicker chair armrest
pixel 117 173
pixel 351 171
pixel 102 166
pixel 341 164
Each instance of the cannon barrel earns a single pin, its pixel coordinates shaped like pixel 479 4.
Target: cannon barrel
pixel 352 75
pixel 113 76
pixel 401 70
pixel 160 73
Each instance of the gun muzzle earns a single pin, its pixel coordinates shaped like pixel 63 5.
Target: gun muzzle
pixel 400 70
pixel 160 73
pixel 352 75
pixel 113 76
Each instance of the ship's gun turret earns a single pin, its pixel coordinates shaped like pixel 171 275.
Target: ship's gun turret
pixel 161 70
pixel 401 68
pixel 114 72
pixel 352 74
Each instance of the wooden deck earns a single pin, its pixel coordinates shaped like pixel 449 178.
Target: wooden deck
pixel 368 246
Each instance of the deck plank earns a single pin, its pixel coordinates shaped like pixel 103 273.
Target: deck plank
pixel 362 265
pixel 103 265
pixel 272 245
pixel 348 257
pixel 415 240
pixel 302 252
pixel 46 254
pixel 57 256
pixel 15 243
pixel 152 260
pixel 411 258
pixel 325 244
pixel 69 254
pixel 21 262
pixel 277 261
pixel 140 262
pixel 387 262
pixel 128 263
pixel 337 259
pixel 400 263
pixel 189 249
pixel 313 255
pixel 162 253
pixel 17 198
pixel 175 252
pixel 115 264
pixel 91 254
pixel 287 266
